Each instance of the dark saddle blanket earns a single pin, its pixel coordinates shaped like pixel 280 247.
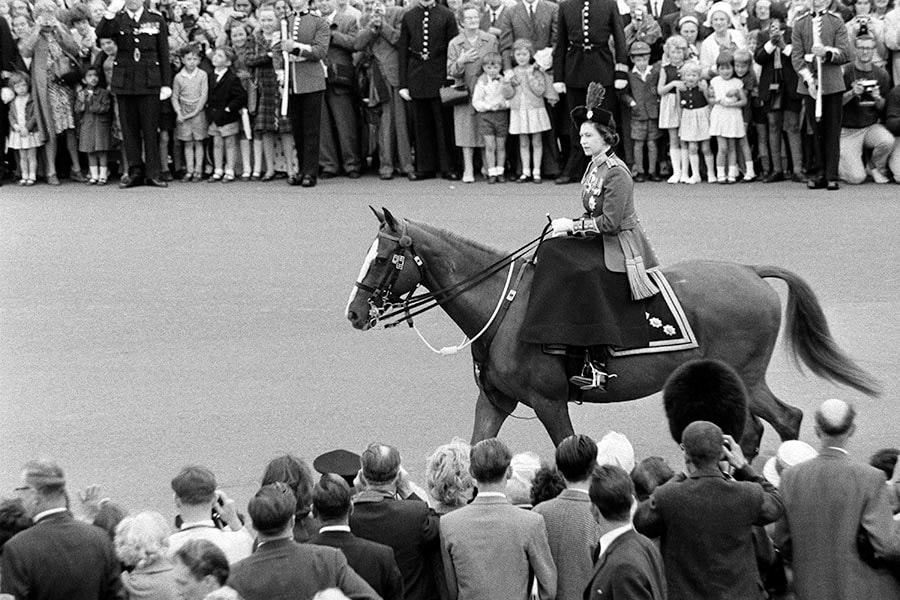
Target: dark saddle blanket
pixel 668 329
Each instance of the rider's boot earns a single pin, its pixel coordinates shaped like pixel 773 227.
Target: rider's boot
pixel 593 373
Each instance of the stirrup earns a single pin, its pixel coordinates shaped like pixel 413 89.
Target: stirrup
pixel 591 378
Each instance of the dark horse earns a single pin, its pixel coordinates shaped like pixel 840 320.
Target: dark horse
pixel 734 313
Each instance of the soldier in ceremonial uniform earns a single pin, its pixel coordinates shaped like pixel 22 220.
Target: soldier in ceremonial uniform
pixel 307 43
pixel 425 34
pixel 819 46
pixel 582 55
pixel 141 78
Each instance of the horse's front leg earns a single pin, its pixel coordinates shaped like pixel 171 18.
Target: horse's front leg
pixel 490 413
pixel 554 414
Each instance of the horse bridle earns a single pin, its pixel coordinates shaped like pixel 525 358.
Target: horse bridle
pixel 381 297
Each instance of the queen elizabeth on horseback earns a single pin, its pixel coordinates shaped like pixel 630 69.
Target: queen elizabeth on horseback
pixel 591 274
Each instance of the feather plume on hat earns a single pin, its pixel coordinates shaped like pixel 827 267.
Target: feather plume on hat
pixel 592 110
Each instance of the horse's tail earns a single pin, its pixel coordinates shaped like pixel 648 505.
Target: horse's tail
pixel 809 339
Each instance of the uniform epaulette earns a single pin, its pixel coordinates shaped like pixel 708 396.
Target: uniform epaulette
pixel 614 161
pixel 153 11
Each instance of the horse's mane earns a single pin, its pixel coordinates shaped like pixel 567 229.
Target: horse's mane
pixel 457 239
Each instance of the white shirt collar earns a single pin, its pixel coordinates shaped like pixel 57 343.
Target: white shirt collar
pixel 48 512
pixel 610 536
pixel 192 524
pixel 136 15
pixel 491 495
pixel 327 528
pixel 838 449
pixel 579 490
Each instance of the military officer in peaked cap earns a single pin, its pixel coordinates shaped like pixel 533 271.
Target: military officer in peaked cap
pixel 141 79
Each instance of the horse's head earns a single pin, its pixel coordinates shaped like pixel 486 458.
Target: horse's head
pixel 391 269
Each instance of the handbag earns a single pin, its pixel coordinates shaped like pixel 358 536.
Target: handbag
pixel 66 70
pixel 342 75
pixel 452 95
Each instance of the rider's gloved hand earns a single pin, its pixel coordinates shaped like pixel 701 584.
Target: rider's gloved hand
pixel 562 226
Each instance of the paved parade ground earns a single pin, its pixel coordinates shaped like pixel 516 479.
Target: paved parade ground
pixel 142 330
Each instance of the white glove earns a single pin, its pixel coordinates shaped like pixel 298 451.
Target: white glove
pixel 559 87
pixel 620 84
pixel 404 93
pixel 165 92
pixel 561 227
pixel 7 95
pixel 115 6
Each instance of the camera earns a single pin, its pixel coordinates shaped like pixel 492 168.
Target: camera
pixel 869 86
pixel 863 26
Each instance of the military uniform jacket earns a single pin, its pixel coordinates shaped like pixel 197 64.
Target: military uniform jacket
pixel 307 70
pixel 425 35
pixel 582 52
pixel 141 65
pixel 834 37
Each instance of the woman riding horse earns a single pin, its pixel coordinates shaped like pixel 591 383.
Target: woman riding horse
pixel 591 275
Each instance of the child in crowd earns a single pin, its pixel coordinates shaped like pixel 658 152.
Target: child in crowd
pixel 528 117
pixel 189 94
pixel 24 135
pixel 105 61
pixel 726 94
pixel 239 39
pixel 643 100
pixel 743 70
pixel 694 129
pixel 668 89
pixel 93 108
pixel 490 99
pixel 223 110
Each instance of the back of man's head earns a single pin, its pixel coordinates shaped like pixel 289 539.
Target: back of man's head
pixel 702 443
pixel 46 477
pixel 195 486
pixel 272 508
pixel 331 498
pixel 489 461
pixel 380 464
pixel 203 558
pixel 612 492
pixel 834 418
pixel 576 456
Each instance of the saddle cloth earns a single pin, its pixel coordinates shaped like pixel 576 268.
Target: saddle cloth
pixel 667 326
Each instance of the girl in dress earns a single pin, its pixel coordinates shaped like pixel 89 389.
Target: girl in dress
pixel 24 135
pixel 694 129
pixel 93 107
pixel 243 44
pixel 189 92
pixel 669 88
pixel 726 121
pixel 527 115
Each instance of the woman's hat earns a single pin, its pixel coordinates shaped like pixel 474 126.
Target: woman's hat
pixel 790 453
pixel 724 7
pixel 591 111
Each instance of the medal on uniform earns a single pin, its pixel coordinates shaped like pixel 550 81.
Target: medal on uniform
pixel 137 55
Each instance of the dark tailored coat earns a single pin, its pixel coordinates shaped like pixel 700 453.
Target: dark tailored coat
pixel 423 73
pixel 704 521
pixel 407 526
pixel 226 98
pixel 307 75
pixel 785 77
pixel 341 47
pixel 60 558
pixel 576 61
pixel 383 43
pixel 491 18
pixel 515 23
pixel 142 61
pixel 826 501
pixel 667 7
pixel 630 569
pixel 834 38
pixel 285 570
pixel 372 561
pixel 643 93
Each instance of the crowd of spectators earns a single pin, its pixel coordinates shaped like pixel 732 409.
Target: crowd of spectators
pixel 423 89
pixel 595 524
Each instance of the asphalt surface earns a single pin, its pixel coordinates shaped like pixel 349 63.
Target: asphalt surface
pixel 143 330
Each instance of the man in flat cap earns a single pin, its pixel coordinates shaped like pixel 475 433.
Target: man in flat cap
pixel 58 558
pixel 828 500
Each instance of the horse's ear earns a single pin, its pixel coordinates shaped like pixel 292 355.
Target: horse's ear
pixel 389 219
pixel 378 214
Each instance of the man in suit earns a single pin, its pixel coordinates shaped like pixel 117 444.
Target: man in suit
pixel 281 568
pixel 819 46
pixel 388 512
pixel 307 45
pixel 490 548
pixel 829 500
pixel 492 16
pixel 141 79
pixel 582 55
pixel 572 532
pixel 340 132
pixel 628 565
pixel 58 558
pixel 705 519
pixel 425 34
pixel 374 562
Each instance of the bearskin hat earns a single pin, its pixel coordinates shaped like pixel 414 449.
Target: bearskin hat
pixel 705 390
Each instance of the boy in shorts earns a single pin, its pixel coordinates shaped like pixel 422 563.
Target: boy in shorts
pixel 643 100
pixel 490 99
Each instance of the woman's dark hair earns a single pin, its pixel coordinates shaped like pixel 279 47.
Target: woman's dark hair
pixel 885 460
pixel 608 134
pixel 108 517
pixel 79 12
pixel 297 475
pixel 203 558
pixel 13 519
pixel 548 484
pixel 649 474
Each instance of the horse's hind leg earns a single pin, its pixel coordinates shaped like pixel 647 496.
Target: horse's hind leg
pixel 784 419
pixel 490 413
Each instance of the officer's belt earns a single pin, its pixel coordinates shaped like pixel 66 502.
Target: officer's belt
pixel 585 47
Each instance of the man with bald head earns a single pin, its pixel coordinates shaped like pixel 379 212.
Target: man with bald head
pixel 828 500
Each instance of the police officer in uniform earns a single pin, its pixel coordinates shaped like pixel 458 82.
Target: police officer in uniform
pixel 582 55
pixel 141 78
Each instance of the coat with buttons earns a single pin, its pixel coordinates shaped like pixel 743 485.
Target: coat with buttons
pixel 837 44
pixel 582 53
pixel 141 65
pixel 425 35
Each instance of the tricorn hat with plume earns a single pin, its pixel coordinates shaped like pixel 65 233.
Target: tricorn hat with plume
pixel 592 110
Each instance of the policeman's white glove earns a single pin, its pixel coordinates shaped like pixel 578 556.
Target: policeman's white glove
pixel 7 95
pixel 559 87
pixel 620 84
pixel 115 6
pixel 165 92
pixel 404 93
pixel 561 227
